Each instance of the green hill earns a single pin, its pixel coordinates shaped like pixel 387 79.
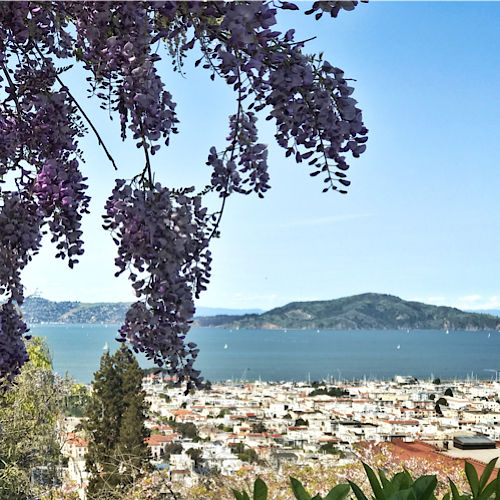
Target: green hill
pixel 38 310
pixel 369 311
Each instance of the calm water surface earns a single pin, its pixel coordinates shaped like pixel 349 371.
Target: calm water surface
pixel 295 354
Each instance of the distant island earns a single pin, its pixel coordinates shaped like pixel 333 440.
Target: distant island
pixel 369 311
pixel 38 310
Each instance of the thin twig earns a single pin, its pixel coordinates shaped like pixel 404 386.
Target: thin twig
pixel 221 211
pixel 99 140
pixel 11 83
pixel 146 154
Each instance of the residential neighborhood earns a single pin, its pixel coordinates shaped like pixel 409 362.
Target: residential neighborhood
pixel 232 426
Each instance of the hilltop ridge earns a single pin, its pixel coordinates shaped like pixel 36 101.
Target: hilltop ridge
pixel 368 311
pixel 39 310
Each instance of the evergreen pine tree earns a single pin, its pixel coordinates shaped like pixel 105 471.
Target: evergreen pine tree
pixel 115 424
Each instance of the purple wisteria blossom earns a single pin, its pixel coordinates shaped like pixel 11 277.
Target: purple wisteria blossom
pixel 162 235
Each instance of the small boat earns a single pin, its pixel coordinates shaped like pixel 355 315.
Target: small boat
pixel 447 332
pixel 225 346
pixel 105 346
pixel 489 334
pixel 399 346
pixel 317 331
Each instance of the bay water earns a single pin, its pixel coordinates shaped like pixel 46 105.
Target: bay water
pixel 279 355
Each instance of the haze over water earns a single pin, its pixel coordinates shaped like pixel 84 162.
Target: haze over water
pixel 275 355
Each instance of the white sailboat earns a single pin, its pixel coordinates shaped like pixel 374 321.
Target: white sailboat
pixel 225 346
pixel 105 346
pixel 399 346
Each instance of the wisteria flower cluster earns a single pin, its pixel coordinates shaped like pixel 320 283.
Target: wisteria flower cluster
pixel 163 244
pixel 162 235
pixel 13 353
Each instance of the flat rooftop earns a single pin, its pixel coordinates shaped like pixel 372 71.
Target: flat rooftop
pixel 481 455
pixel 472 440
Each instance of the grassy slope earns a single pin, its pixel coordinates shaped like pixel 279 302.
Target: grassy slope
pixel 367 311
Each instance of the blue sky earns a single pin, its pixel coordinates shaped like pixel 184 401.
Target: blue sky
pixel 421 217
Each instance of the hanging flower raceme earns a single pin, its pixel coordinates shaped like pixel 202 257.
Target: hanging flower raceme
pixel 242 166
pixel 20 235
pixel 13 353
pixel 162 242
pixel 123 67
pixel 162 236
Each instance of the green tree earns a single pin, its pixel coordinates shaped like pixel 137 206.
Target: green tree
pixel 195 454
pixel 330 449
pixel 166 397
pixel 448 392
pixel 249 455
pixel 172 449
pixel 336 392
pixel 29 448
pixel 301 422
pixel 259 428
pixel 117 454
pixel 188 430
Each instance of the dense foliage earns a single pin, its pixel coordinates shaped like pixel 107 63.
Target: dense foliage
pixel 400 486
pixel 117 454
pixel 29 446
pixel 162 234
pixel 334 392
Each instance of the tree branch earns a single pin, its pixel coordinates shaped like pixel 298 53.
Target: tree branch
pixel 99 140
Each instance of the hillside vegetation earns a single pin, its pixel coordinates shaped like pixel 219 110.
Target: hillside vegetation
pixel 38 310
pixel 369 311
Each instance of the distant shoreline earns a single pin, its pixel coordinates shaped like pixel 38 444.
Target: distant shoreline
pixel 369 311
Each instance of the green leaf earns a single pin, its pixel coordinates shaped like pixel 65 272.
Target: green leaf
pixel 317 497
pixel 423 488
pixel 447 496
pixel 471 473
pixel 497 489
pixel 259 490
pixel 403 495
pixel 489 490
pixel 454 491
pixel 238 495
pixel 357 491
pixel 402 480
pixel 377 489
pixel 487 473
pixel 389 488
pixel 298 490
pixel 339 492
